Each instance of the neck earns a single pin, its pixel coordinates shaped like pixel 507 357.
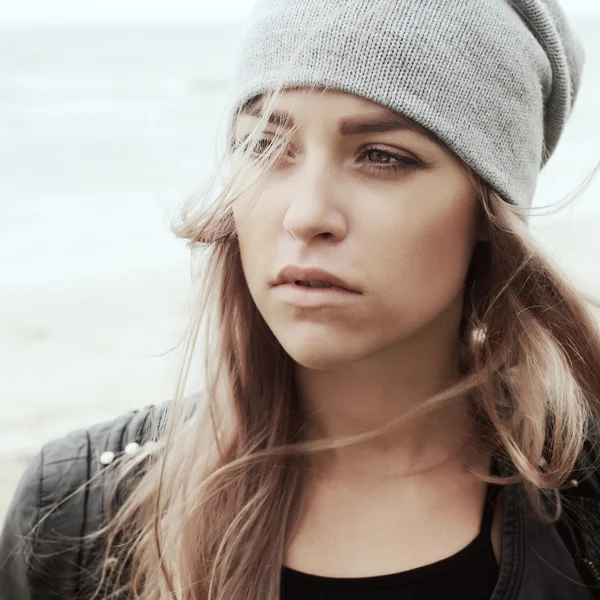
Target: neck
pixel 370 394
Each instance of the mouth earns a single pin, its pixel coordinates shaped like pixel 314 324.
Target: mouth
pixel 314 294
pixel 311 288
pixel 312 279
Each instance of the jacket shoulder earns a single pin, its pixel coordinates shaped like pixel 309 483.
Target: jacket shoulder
pixel 61 497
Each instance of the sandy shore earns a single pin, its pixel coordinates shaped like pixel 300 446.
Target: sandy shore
pixel 76 353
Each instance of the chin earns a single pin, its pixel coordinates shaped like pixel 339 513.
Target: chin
pixel 323 352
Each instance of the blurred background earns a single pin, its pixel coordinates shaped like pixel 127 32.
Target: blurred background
pixel 109 114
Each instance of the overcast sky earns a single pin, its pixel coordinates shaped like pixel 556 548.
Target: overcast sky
pixel 159 11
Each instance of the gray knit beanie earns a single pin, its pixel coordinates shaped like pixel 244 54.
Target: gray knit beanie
pixel 495 80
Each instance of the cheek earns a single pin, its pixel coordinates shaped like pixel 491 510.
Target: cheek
pixel 425 253
pixel 257 210
pixel 247 240
pixel 443 247
pixel 256 226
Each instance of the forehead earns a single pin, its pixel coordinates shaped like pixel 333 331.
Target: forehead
pixel 293 105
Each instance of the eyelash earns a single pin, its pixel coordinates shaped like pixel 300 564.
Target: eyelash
pixel 403 164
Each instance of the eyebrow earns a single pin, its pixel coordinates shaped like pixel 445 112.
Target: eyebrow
pixel 386 120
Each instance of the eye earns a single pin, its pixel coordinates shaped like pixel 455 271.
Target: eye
pixel 261 145
pixel 258 149
pixel 383 162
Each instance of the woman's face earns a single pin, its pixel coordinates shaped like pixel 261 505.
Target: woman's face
pixel 366 202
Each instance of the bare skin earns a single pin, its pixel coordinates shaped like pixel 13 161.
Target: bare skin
pixel 353 530
pixel 402 239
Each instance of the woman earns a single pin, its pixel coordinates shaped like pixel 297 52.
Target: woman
pixel 400 391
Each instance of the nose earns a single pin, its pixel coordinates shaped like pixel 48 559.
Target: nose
pixel 314 208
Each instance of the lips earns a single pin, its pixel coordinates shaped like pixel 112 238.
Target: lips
pixel 312 278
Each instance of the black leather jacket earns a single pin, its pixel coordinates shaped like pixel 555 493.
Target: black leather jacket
pixel 550 562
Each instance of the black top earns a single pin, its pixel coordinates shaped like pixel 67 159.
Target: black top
pixel 470 574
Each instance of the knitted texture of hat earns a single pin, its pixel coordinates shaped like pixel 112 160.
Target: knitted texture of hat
pixel 495 80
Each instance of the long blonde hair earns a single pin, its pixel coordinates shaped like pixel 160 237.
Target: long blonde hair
pixel 209 511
